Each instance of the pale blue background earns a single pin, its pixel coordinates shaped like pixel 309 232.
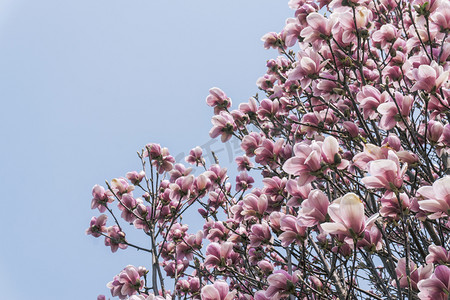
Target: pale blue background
pixel 85 84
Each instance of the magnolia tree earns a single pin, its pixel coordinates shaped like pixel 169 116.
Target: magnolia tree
pixel 352 140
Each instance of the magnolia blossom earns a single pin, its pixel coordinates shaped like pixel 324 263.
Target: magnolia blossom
pixel 314 209
pixel 223 124
pixel 97 226
pixel 429 78
pixel 281 284
pixel 385 173
pixel 217 291
pixel 218 99
pixel 293 231
pixel 437 287
pixel 308 68
pixel 437 198
pixel 219 255
pixel 395 111
pixel 115 239
pixel 347 214
pixel 438 255
pixel 305 163
pixel 128 282
pixel 416 274
pixel 318 28
pixel 195 157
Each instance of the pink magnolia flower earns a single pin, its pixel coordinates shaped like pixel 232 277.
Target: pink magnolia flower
pixel 293 231
pixel 115 239
pixel 390 205
pixel 219 255
pixel 330 153
pixel 437 198
pixel 190 243
pixel 369 99
pixel 179 170
pixel 437 287
pixel 271 40
pixel 161 158
pixel 268 153
pixel 260 234
pixel 372 239
pixel 216 174
pixel 429 78
pixel 347 214
pixel 223 124
pixel 216 231
pixel 254 207
pixel 386 35
pixel 441 17
pixel 217 291
pixel 438 255
pixel 385 173
pixel 391 115
pixel 250 143
pixel 292 31
pixel 127 205
pixel 319 28
pixel 121 186
pixel 182 188
pixel 305 164
pixel 314 209
pixel 416 274
pixel 244 181
pixel 100 198
pixel 307 68
pixel 127 283
pixel 244 163
pixel 434 131
pixel 173 268
pixel 249 108
pixel 370 153
pixel 97 226
pixel 281 284
pixel 195 157
pixel 218 99
pixel 135 177
pixel 298 192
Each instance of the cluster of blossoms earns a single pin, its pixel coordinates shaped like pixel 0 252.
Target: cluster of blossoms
pixel 352 141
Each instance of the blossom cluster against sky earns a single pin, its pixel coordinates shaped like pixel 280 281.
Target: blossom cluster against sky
pixel 84 85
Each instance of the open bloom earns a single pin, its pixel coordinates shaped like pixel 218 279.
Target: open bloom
pixel 219 255
pixel 385 173
pixel 223 124
pixel 281 283
pixel 307 68
pixel 438 255
pixel 318 28
pixel 437 198
pixel 97 226
pixel 218 99
pixel 293 231
pixel 217 291
pixel 417 274
pixel 305 163
pixel 127 283
pixel 348 217
pixel 429 78
pixel 437 287
pixel 314 209
pixel 394 112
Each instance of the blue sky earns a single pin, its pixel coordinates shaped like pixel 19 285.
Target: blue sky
pixel 84 85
